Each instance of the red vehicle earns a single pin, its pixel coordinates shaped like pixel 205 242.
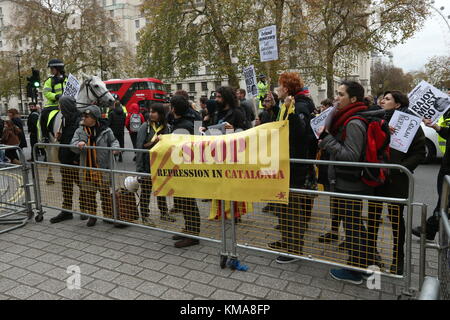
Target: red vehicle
pixel 143 91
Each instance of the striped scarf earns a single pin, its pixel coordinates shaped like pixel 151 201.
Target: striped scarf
pixel 91 156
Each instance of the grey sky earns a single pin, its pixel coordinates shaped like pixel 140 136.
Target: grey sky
pixel 433 39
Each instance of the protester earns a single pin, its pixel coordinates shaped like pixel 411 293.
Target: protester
pixel 69 176
pixel 117 118
pixel 32 124
pixel 346 143
pixel 263 89
pixel 270 112
pixel 211 116
pixel 148 136
pixel 397 185
pixel 14 116
pixel 247 107
pixel 133 122
pixel 325 104
pixel 94 133
pixel 203 109
pixel 229 112
pixel 294 217
pixel 10 137
pixel 184 124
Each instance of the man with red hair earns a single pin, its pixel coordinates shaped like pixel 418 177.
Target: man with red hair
pixel 294 217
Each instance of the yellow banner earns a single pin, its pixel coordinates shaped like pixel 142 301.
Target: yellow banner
pixel 251 165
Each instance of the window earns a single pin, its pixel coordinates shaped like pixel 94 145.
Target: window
pixel 217 84
pixel 179 86
pixel 1 43
pixel 20 43
pixel 114 86
pixel 204 86
pixel 191 87
pixel 207 70
pixel 168 88
pixel 136 22
pixel 111 13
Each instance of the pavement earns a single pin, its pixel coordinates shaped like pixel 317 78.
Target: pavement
pixel 136 263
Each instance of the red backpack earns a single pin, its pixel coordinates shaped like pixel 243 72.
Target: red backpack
pixel 377 150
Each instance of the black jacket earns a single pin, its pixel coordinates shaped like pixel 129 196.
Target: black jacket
pixel 235 117
pixel 116 120
pixel 145 134
pixel 186 122
pixel 249 112
pixel 23 140
pixel 70 123
pixel 32 121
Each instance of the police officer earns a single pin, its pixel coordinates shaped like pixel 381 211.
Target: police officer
pixel 263 89
pixel 53 90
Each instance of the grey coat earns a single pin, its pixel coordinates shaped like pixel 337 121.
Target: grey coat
pixel 105 138
pixel 348 150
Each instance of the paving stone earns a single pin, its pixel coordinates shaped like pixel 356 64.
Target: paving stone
pixel 152 264
pixel 131 259
pixel 108 263
pixel 194 255
pixel 303 290
pixel 100 286
pixel 194 264
pixel 90 258
pixel 361 292
pixel 4 266
pixel 105 275
pixel 112 254
pixel 14 273
pixel 49 258
pixel 198 276
pixel 52 285
pixel 253 290
pixel 315 272
pixel 74 294
pixel 280 295
pixel 127 281
pixel 226 295
pixel 225 283
pixel 6 284
pixel 153 289
pixel 293 267
pixel 171 259
pixel 199 289
pixel 385 296
pixel 23 262
pixel 58 273
pixel 32 253
pixel 172 294
pixel 41 295
pixel 153 245
pixel 55 248
pixel 273 283
pixel 130 249
pixel 175 270
pixel 32 279
pixel 40 267
pixel 244 276
pixel 216 270
pixel 8 257
pixel 96 296
pixel 77 245
pixel 332 295
pixel 152 254
pixel 21 292
pixel 94 249
pixel 129 269
pixel 297 277
pixel 327 284
pixel 268 271
pixel 17 249
pixel 151 275
pixel 123 294
pixel 147 297
pixel 174 282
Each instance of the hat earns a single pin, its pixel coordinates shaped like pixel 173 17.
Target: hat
pixel 261 76
pixel 93 111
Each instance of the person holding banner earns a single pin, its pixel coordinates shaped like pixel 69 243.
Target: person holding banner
pixel 294 217
pixel 148 136
pixel 53 90
pixel 397 185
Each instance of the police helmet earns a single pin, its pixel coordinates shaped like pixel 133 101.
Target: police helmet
pixel 56 63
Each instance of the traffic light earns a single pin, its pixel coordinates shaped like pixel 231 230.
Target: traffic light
pixel 34 82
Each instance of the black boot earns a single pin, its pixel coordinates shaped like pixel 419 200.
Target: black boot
pixel 91 222
pixel 432 228
pixel 120 157
pixel 62 216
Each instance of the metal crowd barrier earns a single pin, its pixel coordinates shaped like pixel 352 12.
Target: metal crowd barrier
pixel 249 225
pixel 435 288
pixel 15 196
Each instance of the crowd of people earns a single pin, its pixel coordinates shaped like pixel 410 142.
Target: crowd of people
pixel 343 140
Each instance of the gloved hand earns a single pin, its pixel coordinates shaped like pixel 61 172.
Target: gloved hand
pixel 57 97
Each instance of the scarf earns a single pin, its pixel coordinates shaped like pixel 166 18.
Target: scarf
pixel 286 111
pixel 91 156
pixel 342 115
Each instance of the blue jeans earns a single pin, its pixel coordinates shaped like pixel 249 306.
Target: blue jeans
pixel 2 155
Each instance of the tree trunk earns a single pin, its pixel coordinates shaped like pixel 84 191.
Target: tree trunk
pixel 330 77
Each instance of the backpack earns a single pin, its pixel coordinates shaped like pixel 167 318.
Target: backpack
pixel 377 150
pixel 135 122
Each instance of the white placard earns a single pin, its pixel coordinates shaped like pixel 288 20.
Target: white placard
pixel 268 47
pixel 72 87
pixel 250 80
pixel 321 120
pixel 428 102
pixel 406 126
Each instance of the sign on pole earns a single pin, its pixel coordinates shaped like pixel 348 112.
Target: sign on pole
pixel 72 87
pixel 321 120
pixel 250 80
pixel 428 102
pixel 268 47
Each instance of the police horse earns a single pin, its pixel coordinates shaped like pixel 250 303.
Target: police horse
pixel 92 91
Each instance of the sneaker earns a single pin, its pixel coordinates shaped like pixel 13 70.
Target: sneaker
pixel 186 242
pixel 178 237
pixel 278 245
pixel 285 260
pixel 91 222
pixel 166 217
pixel 328 237
pixel 84 218
pixel 62 216
pixel 350 276
pixel 418 231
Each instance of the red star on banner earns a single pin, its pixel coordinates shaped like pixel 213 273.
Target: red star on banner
pixel 281 195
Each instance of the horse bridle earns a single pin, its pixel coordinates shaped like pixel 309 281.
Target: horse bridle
pixel 89 88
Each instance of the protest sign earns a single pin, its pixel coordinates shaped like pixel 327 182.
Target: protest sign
pixel 321 120
pixel 251 165
pixel 406 126
pixel 428 102
pixel 268 47
pixel 72 87
pixel 250 80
